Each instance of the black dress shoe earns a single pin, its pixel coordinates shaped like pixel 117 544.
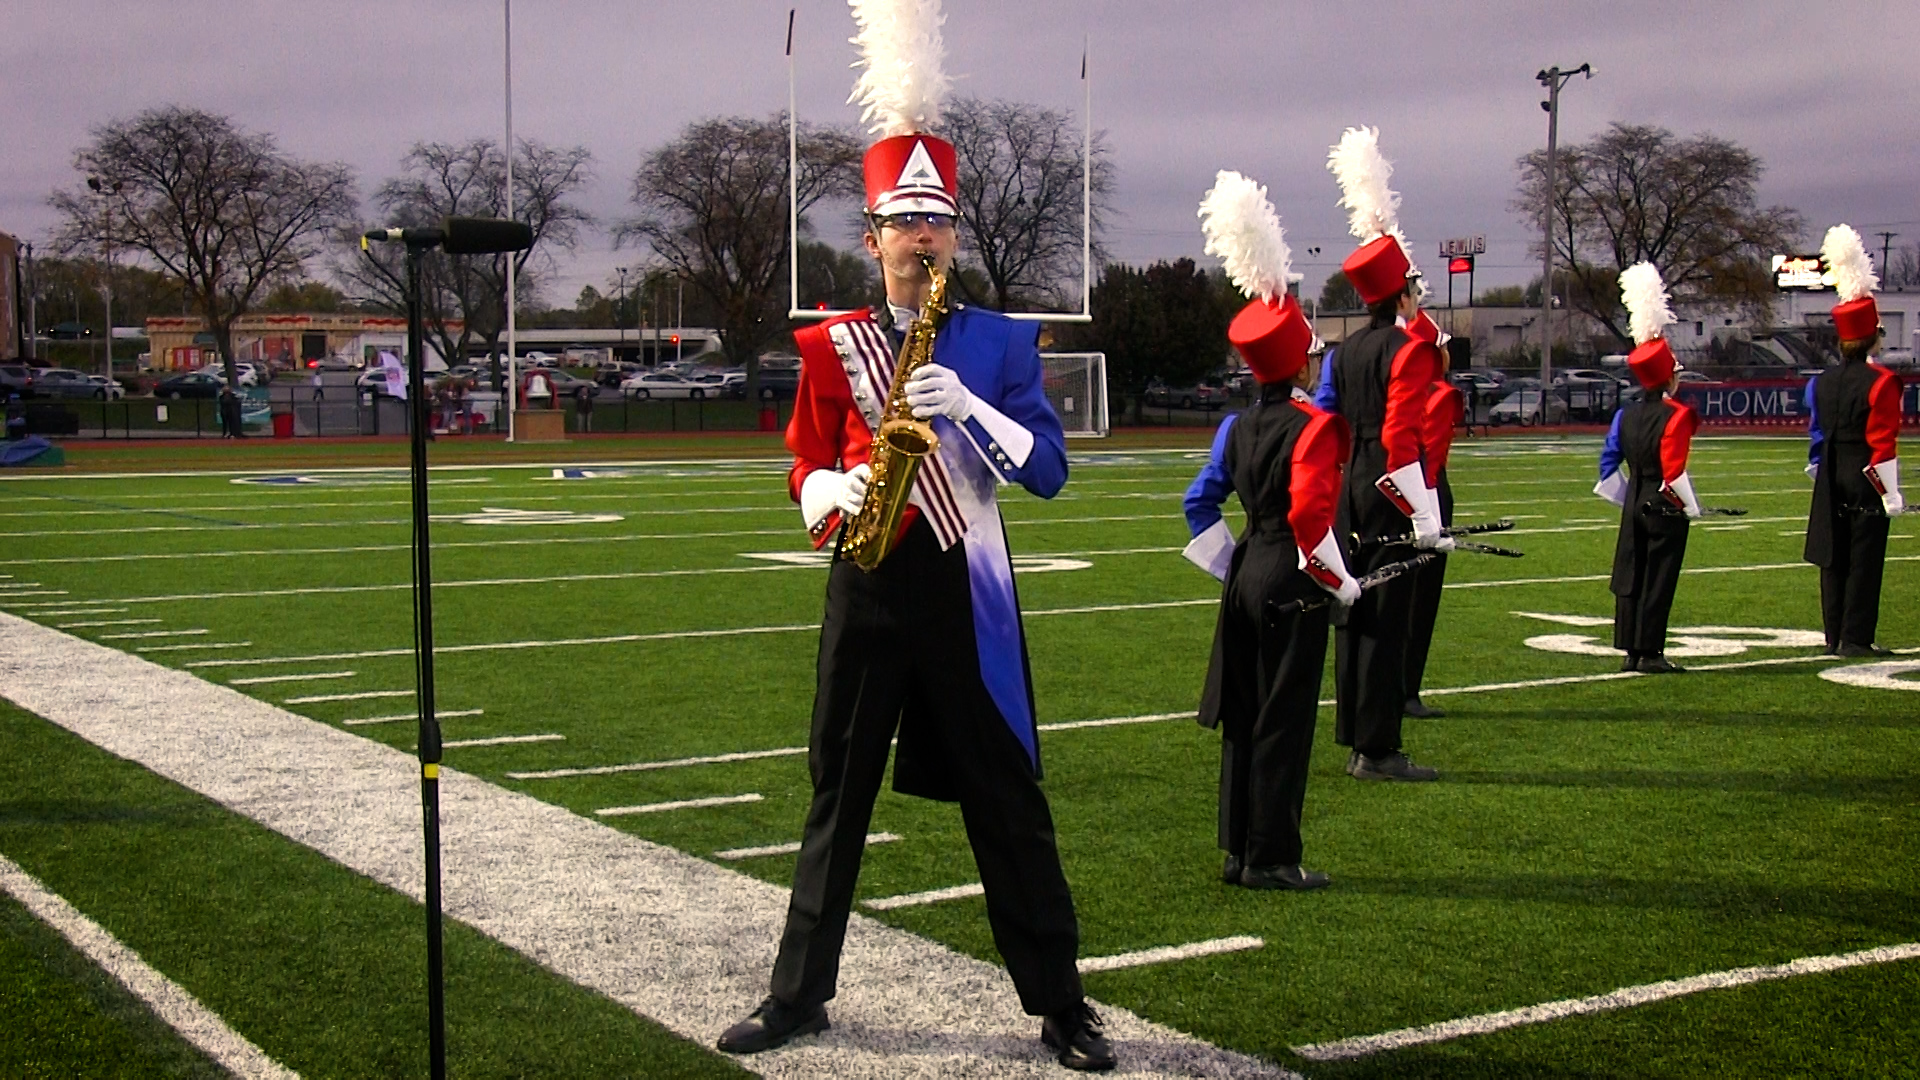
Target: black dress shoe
pixel 1230 873
pixel 1850 650
pixel 1660 665
pixel 1631 663
pixel 1283 877
pixel 1394 766
pixel 773 1024
pixel 1420 710
pixel 1077 1035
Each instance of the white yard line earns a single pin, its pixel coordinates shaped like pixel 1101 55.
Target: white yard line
pixel 364 695
pixel 197 645
pixel 103 622
pixel 670 936
pixel 680 804
pixel 649 766
pixel 151 634
pixel 1623 998
pixel 1168 954
pixel 792 848
pixel 80 611
pixel 169 1001
pixel 502 740
pixel 363 721
pixel 303 677
pixel 931 896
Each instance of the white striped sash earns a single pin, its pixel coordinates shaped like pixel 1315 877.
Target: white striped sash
pixel 932 485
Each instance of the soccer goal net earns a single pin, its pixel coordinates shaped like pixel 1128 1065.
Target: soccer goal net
pixel 1076 384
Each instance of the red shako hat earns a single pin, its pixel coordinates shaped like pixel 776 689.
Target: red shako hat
pixel 1857 320
pixel 1273 337
pixel 912 174
pixel 1377 269
pixel 1653 363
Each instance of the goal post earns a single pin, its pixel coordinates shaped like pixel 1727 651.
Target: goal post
pixel 1076 385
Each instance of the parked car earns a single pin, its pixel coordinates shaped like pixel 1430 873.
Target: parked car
pixel 567 384
pixel 613 374
pixel 1588 393
pixel 537 359
pixel 336 363
pixel 664 384
pixel 64 383
pixel 1200 395
pixel 375 379
pixel 105 389
pixel 16 379
pixel 1523 407
pixel 192 384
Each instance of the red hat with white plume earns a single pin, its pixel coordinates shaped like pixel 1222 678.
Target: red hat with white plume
pixel 1380 267
pixel 908 170
pixel 1648 316
pixel 1242 228
pixel 1856 317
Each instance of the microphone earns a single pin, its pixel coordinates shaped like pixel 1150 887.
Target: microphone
pixel 462 236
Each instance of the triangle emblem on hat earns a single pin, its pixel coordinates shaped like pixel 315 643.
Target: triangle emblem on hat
pixel 919 170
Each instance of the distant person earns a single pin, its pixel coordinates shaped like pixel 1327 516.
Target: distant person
pixel 319 386
pixel 1854 425
pixel 583 407
pixel 16 416
pixel 1651 438
pixel 1442 411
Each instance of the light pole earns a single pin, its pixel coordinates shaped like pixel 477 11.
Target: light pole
pixel 105 191
pixel 680 314
pixel 33 308
pixel 620 312
pixel 1553 79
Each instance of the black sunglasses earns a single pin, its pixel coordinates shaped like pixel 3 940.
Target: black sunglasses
pixel 909 222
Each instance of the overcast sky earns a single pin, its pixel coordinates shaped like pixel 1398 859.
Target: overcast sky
pixel 1823 93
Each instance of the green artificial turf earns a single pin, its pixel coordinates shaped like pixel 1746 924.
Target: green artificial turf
pixel 1584 837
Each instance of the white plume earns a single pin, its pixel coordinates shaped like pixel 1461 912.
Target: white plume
pixel 1373 209
pixel 903 86
pixel 1846 256
pixel 1243 229
pixel 1645 295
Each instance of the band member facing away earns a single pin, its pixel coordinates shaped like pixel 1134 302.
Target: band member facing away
pixel 1380 377
pixel 1651 438
pixel 928 644
pixel 1283 457
pixel 1854 423
pixel 1442 411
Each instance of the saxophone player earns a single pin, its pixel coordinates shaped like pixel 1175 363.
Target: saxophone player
pixel 928 644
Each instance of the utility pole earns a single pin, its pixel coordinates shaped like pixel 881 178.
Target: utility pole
pixel 620 312
pixel 1886 256
pixel 105 191
pixel 33 308
pixel 1553 79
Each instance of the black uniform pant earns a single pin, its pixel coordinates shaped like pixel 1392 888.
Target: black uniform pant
pixel 1264 754
pixel 902 637
pixel 1640 614
pixel 1370 660
pixel 1428 582
pixel 1850 582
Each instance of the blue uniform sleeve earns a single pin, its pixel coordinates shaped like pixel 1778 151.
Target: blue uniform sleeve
pixel 1210 488
pixel 1325 397
pixel 1815 437
pixel 1610 455
pixel 1023 399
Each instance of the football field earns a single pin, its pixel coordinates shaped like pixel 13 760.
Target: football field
pixel 632 643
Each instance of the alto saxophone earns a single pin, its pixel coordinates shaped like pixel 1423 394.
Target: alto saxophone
pixel 900 443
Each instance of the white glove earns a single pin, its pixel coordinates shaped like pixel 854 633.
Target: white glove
pixel 936 391
pixel 1406 487
pixel 853 489
pixel 1682 490
pixel 1885 478
pixel 1893 503
pixel 1812 470
pixel 1613 488
pixel 1328 570
pixel 825 490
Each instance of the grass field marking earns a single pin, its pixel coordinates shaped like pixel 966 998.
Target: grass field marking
pixel 169 1001
pixel 80 611
pixel 1623 998
pixel 503 740
pixel 680 804
pixel 791 848
pixel 649 766
pixel 364 695
pixel 103 622
pixel 195 645
pixel 1098 608
pixel 44 592
pixel 302 677
pixel 931 896
pixel 365 720
pixel 1118 721
pixel 359 549
pixel 152 634
pixel 1881 676
pixel 468 583
pixel 19 584
pixel 1169 953
pixel 1615 523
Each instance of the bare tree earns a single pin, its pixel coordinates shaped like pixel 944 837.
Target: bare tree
pixel 464 296
pixel 1903 268
pixel 1688 205
pixel 223 211
pixel 1021 198
pixel 713 208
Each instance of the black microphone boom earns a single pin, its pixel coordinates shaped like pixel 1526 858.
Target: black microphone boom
pixel 463 236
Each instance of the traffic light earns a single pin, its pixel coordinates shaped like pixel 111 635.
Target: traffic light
pixel 674 340
pixel 1460 264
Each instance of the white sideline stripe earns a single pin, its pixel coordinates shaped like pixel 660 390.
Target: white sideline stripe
pixel 151 634
pixel 196 645
pixel 409 716
pixel 791 848
pixel 680 804
pixel 502 740
pixel 169 1000
pixel 361 696
pixel 931 896
pixel 103 622
pixel 1623 998
pixel 259 679
pixel 1169 953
